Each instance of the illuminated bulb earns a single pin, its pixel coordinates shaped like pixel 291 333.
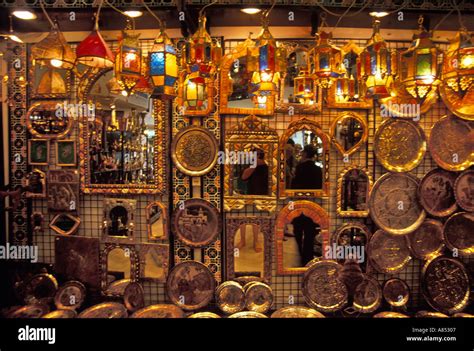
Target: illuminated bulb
pixel 262 99
pixel 133 13
pixel 24 15
pixel 356 96
pixel 15 38
pixel 124 93
pixel 428 80
pixel 251 10
pixel 56 63
pixel 192 85
pixel 378 14
pixel 467 61
pixel 266 77
pixel 393 94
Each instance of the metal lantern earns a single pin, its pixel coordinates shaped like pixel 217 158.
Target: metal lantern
pixel 457 88
pixel 326 60
pixel 304 89
pixel 163 66
pixel 54 51
pixel 194 89
pixel 128 61
pixel 377 66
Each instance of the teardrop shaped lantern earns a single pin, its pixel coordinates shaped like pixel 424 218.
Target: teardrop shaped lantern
pixel 326 60
pixel 163 66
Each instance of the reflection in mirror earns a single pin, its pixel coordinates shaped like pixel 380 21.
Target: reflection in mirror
pixel 298 90
pixel 65 224
pixel 154 260
pixel 240 79
pixel 118 221
pixel 157 221
pixel 118 265
pixel 304 161
pixel 249 241
pixel 353 190
pixel 348 132
pixel 252 177
pixel 302 242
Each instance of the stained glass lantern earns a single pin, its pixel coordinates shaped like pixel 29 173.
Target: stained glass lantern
pixel 163 66
pixel 128 61
pixel 195 93
pixel 304 89
pixel 377 65
pixel 327 60
pixel 457 90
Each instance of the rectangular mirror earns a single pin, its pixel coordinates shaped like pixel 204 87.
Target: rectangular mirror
pixel 157 221
pixel 154 261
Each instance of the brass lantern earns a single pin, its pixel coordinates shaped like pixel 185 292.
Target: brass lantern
pixel 326 60
pixel 456 88
pixel 304 90
pixel 377 66
pixel 195 92
pixel 54 50
pixel 163 66
pixel 128 61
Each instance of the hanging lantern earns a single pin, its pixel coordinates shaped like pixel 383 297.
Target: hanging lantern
pixel 457 89
pixel 54 51
pixel 195 93
pixel 128 61
pixel 304 89
pixel 163 66
pixel 327 60
pixel 377 66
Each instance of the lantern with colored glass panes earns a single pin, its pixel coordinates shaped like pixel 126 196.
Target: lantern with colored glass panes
pixel 377 65
pixel 304 89
pixel 195 93
pixel 327 60
pixel 163 66
pixel 128 61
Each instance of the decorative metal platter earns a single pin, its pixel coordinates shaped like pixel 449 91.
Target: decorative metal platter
pixel 194 151
pixel 393 203
pixel 159 311
pixel 322 288
pixel 464 190
pixel 62 314
pixel 458 233
pixel 39 289
pixel 204 315
pixel 396 292
pixel 197 223
pixel 446 285
pixel 388 253
pixel 451 143
pixel 29 311
pixel 70 296
pixel 427 241
pixel 247 314
pixel 105 310
pixel 133 297
pixel 296 312
pixel 399 145
pixel 390 315
pixel 258 297
pixel 436 192
pixel 230 297
pixel 367 295
pixel 190 285
pixel 430 314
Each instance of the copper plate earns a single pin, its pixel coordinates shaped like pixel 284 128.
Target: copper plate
pixel 436 192
pixel 159 311
pixel 194 151
pixel 247 314
pixel 197 223
pixel 62 314
pixel 399 145
pixel 388 253
pixel 322 288
pixel 105 310
pixel 464 190
pixel 248 278
pixel 427 241
pixel 190 285
pixel 393 203
pixel 462 315
pixel 458 233
pixel 117 287
pixel 204 315
pixel 29 311
pixel 230 297
pixel 390 315
pixel 396 292
pixel 40 289
pixel 445 285
pixel 258 297
pixel 367 295
pixel 430 314
pixel 451 143
pixel 133 297
pixel 70 296
pixel 296 312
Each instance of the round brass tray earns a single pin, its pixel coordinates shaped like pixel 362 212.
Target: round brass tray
pixel 388 253
pixel 367 295
pixel 458 233
pixel 70 296
pixel 204 315
pixel 247 314
pixel 296 312
pixel 451 143
pixel 159 311
pixel 399 145
pixel 230 297
pixel 190 285
pixel 462 315
pixel 194 151
pixel 445 285
pixel 427 240
pixel 133 297
pixel 197 223
pixel 105 310
pixel 29 311
pixel 393 203
pixel 464 190
pixel 430 314
pixel 61 314
pixel 258 297
pixel 322 288
pixel 39 289
pixel 396 292
pixel 390 315
pixel 436 192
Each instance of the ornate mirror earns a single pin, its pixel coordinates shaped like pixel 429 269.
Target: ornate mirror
pixel 249 247
pixel 250 165
pixel 349 132
pixel 349 241
pixel 118 220
pixel 65 224
pixel 119 266
pixel 304 160
pixel 154 262
pixel 157 221
pixel 36 184
pixel 353 189
pixel 237 92
pixel 49 120
pixel 302 232
pixel 122 141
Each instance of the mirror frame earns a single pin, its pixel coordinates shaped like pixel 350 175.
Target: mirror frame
pixel 292 210
pixel 29 194
pixel 46 106
pixel 225 83
pixel 293 127
pixel 340 180
pixel 76 220
pixel 164 212
pixel 357 225
pixel 130 205
pixel 252 130
pixel 266 225
pixel 161 147
pixel 134 265
pixel 164 250
pixel 360 143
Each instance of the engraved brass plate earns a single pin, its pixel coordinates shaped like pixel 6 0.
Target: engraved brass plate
pixel 159 311
pixel 296 312
pixel 396 292
pixel 367 295
pixel 258 297
pixel 248 314
pixel 62 314
pixel 390 315
pixel 436 192
pixel 427 241
pixel 388 253
pixel 70 296
pixel 204 315
pixel 230 297
pixel 458 233
pixel 105 310
pixel 464 190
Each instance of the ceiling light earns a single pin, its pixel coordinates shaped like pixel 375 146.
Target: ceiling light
pixel 14 38
pixel 378 14
pixel 133 13
pixel 251 10
pixel 24 14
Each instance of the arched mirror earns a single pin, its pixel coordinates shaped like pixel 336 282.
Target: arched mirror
pixel 157 221
pixel 118 220
pixel 119 266
pixel 353 189
pixel 302 235
pixel 304 160
pixel 349 132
